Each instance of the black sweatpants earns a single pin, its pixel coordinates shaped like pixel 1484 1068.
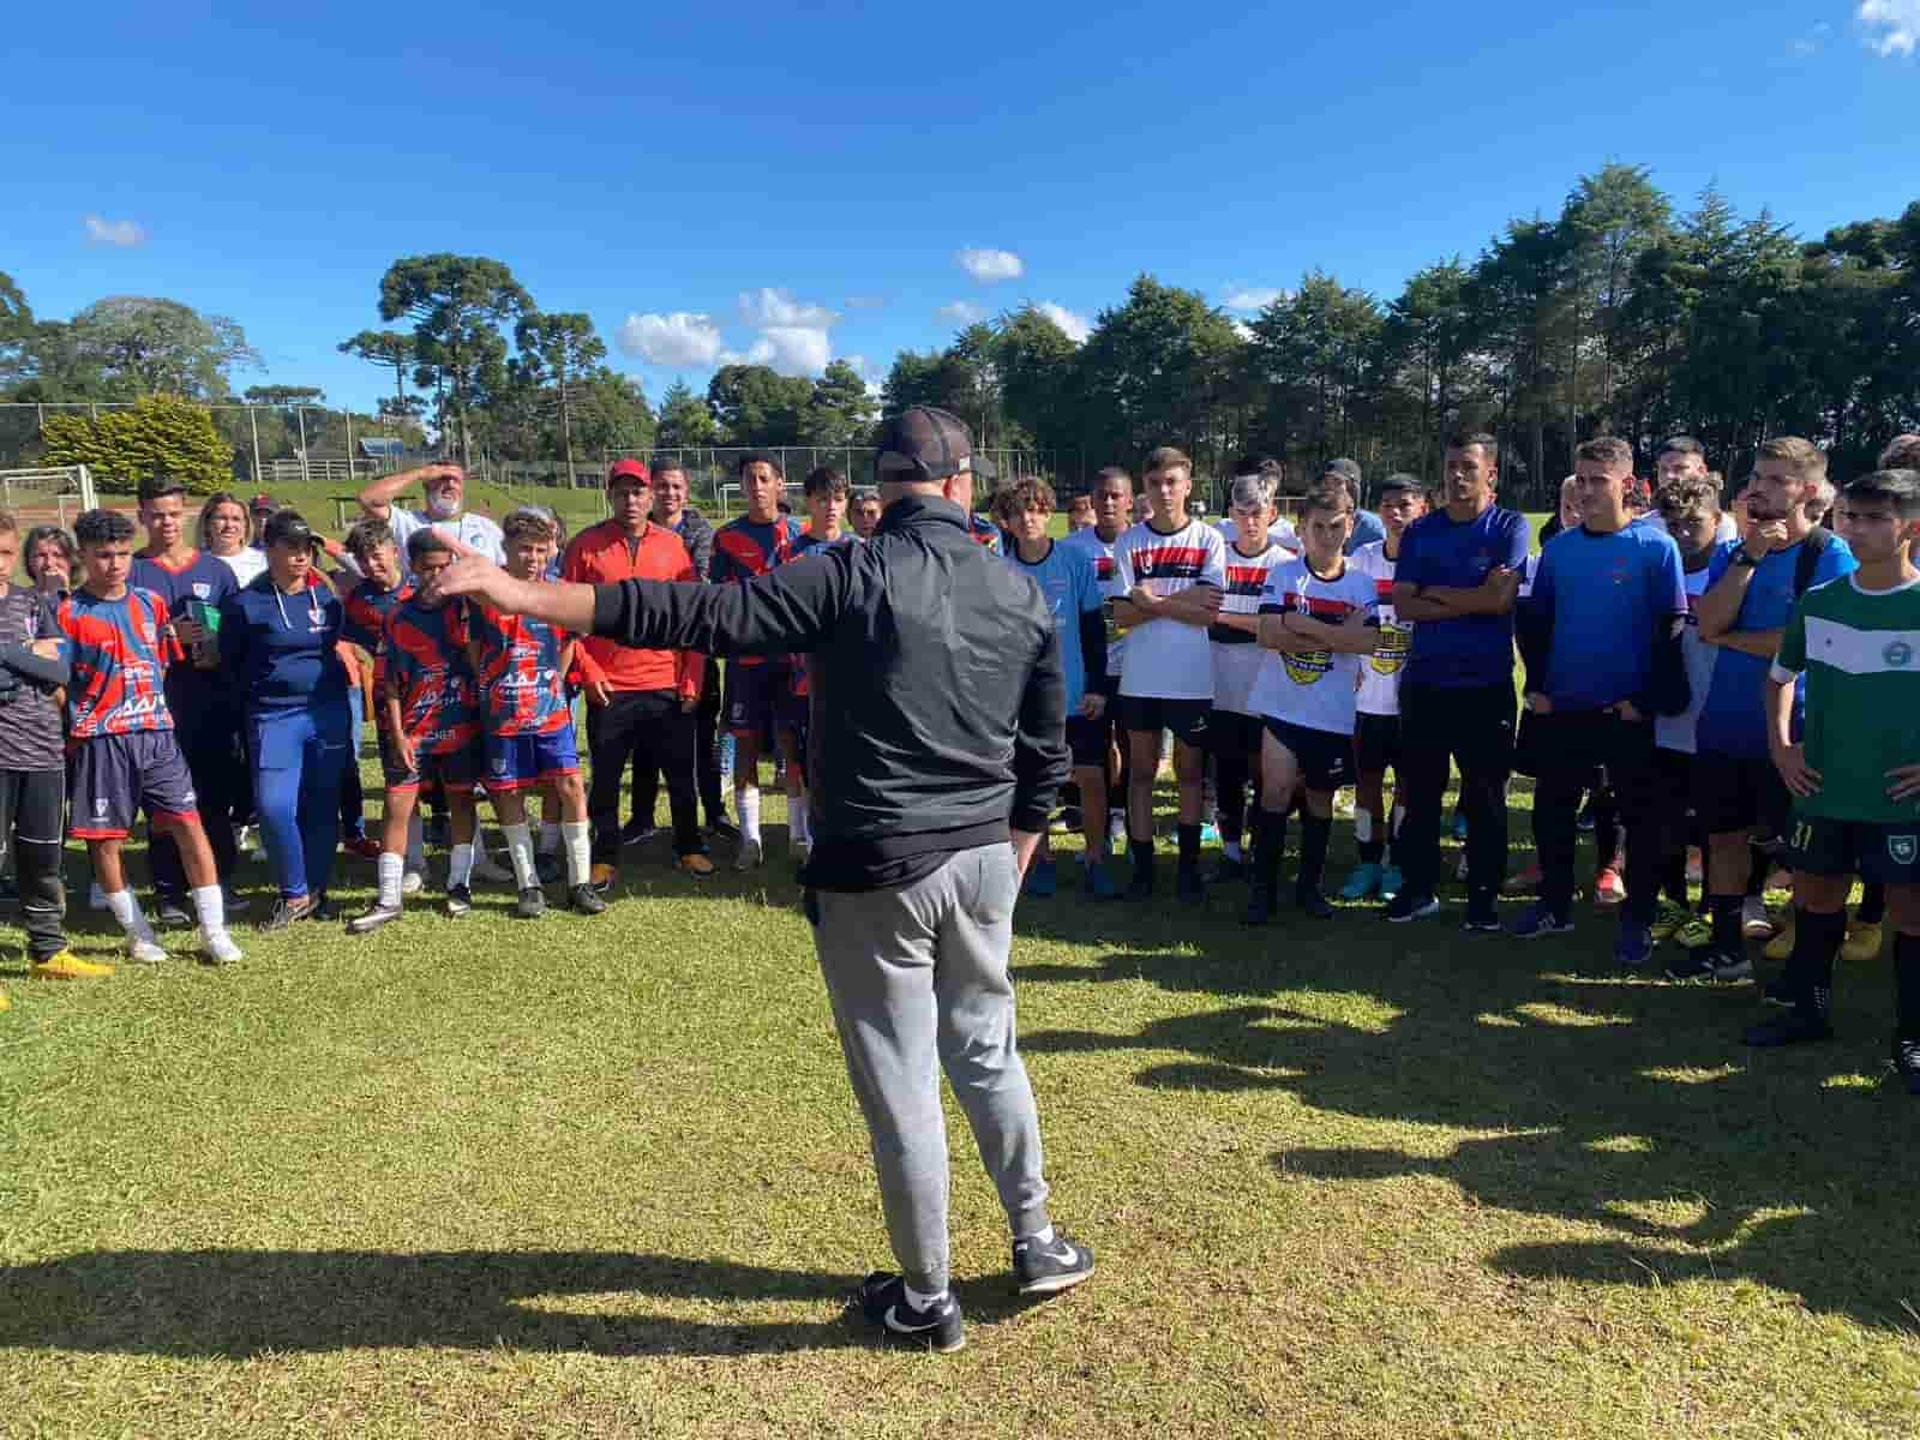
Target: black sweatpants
pixel 1572 745
pixel 706 758
pixel 649 728
pixel 222 785
pixel 1471 725
pixel 33 807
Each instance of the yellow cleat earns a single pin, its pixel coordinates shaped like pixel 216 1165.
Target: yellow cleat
pixel 602 877
pixel 1862 943
pixel 6 1001
pixel 68 966
pixel 698 866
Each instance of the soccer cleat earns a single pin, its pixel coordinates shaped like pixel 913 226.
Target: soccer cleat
pixel 1043 878
pixel 1696 934
pixel 413 882
pixel 585 900
pixel 1634 948
pixel 1483 918
pixel 883 1300
pixel 532 903
pixel 750 856
pixel 1863 942
pixel 1259 906
pixel 1407 906
pixel 696 865
pixel 1188 888
pixel 323 908
pixel 1906 1064
pixel 1099 883
pixel 486 868
pixel 1527 879
pixel 1781 945
pixel 637 831
pixel 1608 890
pixel 365 846
pixel 1046 1269
pixel 1538 919
pixel 1712 965
pixel 144 951
pixel 723 829
pixel 1790 1027
pixel 1311 903
pixel 1669 920
pixel 372 920
pixel 1362 881
pixel 1390 881
pixel 459 901
pixel 218 947
pixel 1754 923
pixel 285 912
pixel 601 877
pixel 65 965
pixel 169 913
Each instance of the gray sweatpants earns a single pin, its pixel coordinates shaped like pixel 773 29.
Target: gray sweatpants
pixel 918 981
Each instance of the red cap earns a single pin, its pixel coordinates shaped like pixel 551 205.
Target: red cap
pixel 629 470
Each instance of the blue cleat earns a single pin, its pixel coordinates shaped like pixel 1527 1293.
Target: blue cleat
pixel 1362 882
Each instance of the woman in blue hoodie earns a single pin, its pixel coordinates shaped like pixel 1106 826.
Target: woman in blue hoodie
pixel 279 636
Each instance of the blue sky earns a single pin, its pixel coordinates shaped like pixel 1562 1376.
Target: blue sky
pixel 790 182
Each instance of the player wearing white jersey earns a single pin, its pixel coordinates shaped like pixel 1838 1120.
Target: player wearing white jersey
pixel 1099 769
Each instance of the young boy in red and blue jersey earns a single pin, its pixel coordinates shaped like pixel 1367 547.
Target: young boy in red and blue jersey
pixel 522 666
pixel 122 753
pixel 429 730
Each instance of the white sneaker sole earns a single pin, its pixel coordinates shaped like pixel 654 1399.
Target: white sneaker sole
pixel 1054 1284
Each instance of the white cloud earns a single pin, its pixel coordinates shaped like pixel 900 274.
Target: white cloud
pixel 961 312
pixel 1896 23
pixel 121 233
pixel 792 349
pixel 1248 298
pixel 1242 329
pixel 1076 327
pixel 768 307
pixel 987 266
pixel 677 339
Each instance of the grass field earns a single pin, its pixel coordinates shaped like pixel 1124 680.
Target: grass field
pixel 606 1177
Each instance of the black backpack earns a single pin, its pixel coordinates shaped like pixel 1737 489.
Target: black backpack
pixel 1811 549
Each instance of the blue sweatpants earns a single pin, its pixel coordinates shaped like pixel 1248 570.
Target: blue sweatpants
pixel 299 757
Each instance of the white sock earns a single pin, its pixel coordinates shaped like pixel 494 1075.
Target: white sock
pixel 550 836
pixel 1230 849
pixel 1362 825
pixel 460 867
pixel 1394 817
pixel 390 867
pixel 125 908
pixel 797 827
pixel 578 835
pixel 416 843
pixel 210 904
pixel 921 1299
pixel 520 851
pixel 747 802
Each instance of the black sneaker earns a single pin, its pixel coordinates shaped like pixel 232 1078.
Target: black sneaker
pixel 459 901
pixel 1483 917
pixel 1906 1064
pixel 1790 1027
pixel 586 900
pixel 373 919
pixel 1312 903
pixel 638 832
pixel 1045 1269
pixel 532 903
pixel 170 913
pixel 883 1300
pixel 723 829
pixel 1408 906
pixel 1723 967
pixel 1259 906
pixel 324 908
pixel 1188 888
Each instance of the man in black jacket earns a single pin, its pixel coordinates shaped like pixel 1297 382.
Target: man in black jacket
pixel 938 709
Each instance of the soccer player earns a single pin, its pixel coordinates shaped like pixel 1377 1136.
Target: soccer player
pixel 1317 613
pixel 444 489
pixel 1235 727
pixel 1072 591
pixel 825 493
pixel 760 695
pixel 1683 458
pixel 641 703
pixel 367 599
pixel 33 670
pixel 1456 581
pixel 1100 781
pixel 1600 633
pixel 1376 736
pixel 122 754
pixel 1368 529
pixel 1170 570
pixel 1751 588
pixel 522 665
pixel 864 512
pixel 429 731
pixel 1274 473
pixel 1855 771
pixel 200 694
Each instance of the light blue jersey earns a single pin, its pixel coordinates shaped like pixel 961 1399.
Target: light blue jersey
pixel 1066 577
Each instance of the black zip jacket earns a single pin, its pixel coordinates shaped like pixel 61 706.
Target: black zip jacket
pixel 938 707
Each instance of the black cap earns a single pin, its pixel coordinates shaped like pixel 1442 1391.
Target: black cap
pixel 285 527
pixel 921 444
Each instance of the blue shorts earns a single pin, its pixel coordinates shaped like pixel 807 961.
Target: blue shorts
pixel 111 777
pixel 762 699
pixel 520 762
pixel 1324 756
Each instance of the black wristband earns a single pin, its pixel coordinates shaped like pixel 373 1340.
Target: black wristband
pixel 1741 557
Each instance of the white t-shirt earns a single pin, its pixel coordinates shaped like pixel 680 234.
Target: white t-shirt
pixel 1316 690
pixel 1676 732
pixel 1101 553
pixel 468 528
pixel 1165 659
pixel 1237 661
pixel 1281 532
pixel 246 563
pixel 1380 671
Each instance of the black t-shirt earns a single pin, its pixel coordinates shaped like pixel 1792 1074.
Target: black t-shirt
pixel 31 737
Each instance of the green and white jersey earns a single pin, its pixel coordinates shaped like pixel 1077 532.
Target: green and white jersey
pixel 1860 651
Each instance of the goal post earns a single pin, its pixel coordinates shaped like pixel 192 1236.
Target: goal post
pixel 64 490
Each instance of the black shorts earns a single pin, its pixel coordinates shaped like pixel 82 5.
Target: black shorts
pixel 1231 733
pixel 1376 743
pixel 1091 741
pixel 763 700
pixel 110 778
pixel 1738 792
pixel 1325 758
pixel 1187 719
pixel 450 770
pixel 1873 850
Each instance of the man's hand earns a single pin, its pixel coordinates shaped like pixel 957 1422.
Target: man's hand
pixel 1764 537
pixel 1539 703
pixel 1627 711
pixel 404 754
pixel 1798 776
pixel 689 704
pixel 1024 847
pixel 599 694
pixel 1143 599
pixel 46 649
pixel 1093 705
pixel 1906 782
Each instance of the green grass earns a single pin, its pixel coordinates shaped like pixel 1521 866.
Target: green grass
pixel 606 1176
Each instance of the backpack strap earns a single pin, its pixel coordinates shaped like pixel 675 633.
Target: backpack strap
pixel 1804 564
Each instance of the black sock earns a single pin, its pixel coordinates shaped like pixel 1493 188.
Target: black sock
pixel 1372 851
pixel 1673 878
pixel 1269 843
pixel 1315 831
pixel 1816 943
pixel 1189 844
pixel 1873 904
pixel 1725 910
pixel 1142 853
pixel 1757 864
pixel 1906 986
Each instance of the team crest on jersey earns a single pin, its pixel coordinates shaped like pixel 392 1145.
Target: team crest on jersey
pixel 1898 654
pixel 500 765
pixel 99 808
pixel 1901 849
pixel 201 589
pixel 1306 669
pixel 1395 640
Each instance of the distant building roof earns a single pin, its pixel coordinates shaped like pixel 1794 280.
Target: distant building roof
pixel 383 447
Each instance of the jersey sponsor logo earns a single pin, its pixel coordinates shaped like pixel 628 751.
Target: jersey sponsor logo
pixel 1246 579
pixel 1307 668
pixel 1390 656
pixel 1898 654
pixel 1901 849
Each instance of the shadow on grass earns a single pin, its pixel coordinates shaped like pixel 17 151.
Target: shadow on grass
pixel 239 1303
